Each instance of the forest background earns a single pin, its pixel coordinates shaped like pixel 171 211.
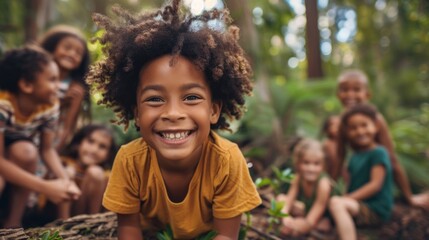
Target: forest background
pixel 297 49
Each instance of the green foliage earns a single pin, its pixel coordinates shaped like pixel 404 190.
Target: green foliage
pixel 279 181
pixel 208 236
pixel 275 214
pixel 167 234
pixel 47 235
pixel 298 106
pixel 412 145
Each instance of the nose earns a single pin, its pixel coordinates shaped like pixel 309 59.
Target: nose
pixel 361 130
pixel 173 111
pixel 57 85
pixel 312 167
pixel 350 93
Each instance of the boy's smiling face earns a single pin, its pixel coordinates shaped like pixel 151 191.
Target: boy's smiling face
pixel 175 109
pixel 352 90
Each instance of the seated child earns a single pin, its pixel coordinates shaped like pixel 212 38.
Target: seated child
pixel 330 131
pixel 179 80
pixel 88 158
pixel 309 192
pixel 369 200
pixel 29 108
pixel 353 88
pixel 68 48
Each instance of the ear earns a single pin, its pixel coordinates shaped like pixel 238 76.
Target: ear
pixel 136 116
pixel 25 86
pixel 215 112
pixel 136 119
pixel 368 94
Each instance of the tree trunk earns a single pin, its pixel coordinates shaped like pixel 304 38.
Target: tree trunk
pixel 314 60
pixel 35 19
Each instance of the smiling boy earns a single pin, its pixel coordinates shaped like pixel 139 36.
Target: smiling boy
pixel 179 84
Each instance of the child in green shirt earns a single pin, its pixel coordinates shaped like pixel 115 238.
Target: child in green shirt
pixel 369 200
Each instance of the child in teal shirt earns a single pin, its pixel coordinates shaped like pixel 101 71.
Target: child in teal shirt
pixel 369 200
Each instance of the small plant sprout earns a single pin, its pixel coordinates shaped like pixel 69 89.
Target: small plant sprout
pixel 277 183
pixel 167 234
pixel 275 213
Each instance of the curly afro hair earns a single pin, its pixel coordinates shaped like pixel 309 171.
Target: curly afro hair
pixel 134 41
pixel 22 63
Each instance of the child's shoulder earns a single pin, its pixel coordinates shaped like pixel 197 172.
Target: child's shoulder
pixel 380 149
pixel 221 144
pixel 223 151
pixel 5 95
pixel 380 155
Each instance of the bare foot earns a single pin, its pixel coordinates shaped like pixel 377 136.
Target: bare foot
pixel 421 200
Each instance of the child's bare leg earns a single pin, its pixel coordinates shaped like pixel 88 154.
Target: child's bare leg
pixel 342 209
pixel 421 200
pixel 25 155
pixel 401 179
pixel 92 187
pixel 64 210
pixel 324 225
pixel 2 185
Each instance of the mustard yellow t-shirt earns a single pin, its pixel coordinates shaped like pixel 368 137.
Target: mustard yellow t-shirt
pixel 221 187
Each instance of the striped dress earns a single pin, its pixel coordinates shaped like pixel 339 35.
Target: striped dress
pixel 14 124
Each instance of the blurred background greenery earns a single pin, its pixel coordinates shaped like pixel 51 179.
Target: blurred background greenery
pixel 297 49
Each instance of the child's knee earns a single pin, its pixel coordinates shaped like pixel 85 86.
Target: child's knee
pixel 2 185
pixel 298 209
pixel 335 203
pixel 95 173
pixel 24 154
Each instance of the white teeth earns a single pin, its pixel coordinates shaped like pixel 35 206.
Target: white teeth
pixel 175 136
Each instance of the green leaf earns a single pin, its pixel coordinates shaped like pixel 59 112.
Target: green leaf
pixel 262 182
pixel 209 236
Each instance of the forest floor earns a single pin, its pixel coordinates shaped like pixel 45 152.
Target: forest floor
pixel 406 223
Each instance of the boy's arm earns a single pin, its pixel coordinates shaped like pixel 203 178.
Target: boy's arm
pixel 398 172
pixel 378 172
pixel 332 166
pixel 289 199
pixel 385 138
pixel 319 206
pixel 227 229
pixel 129 227
pixel 339 158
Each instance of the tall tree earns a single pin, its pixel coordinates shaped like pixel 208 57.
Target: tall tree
pixel 35 19
pixel 314 68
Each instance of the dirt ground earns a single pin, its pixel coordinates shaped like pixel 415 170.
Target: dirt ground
pixel 406 223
